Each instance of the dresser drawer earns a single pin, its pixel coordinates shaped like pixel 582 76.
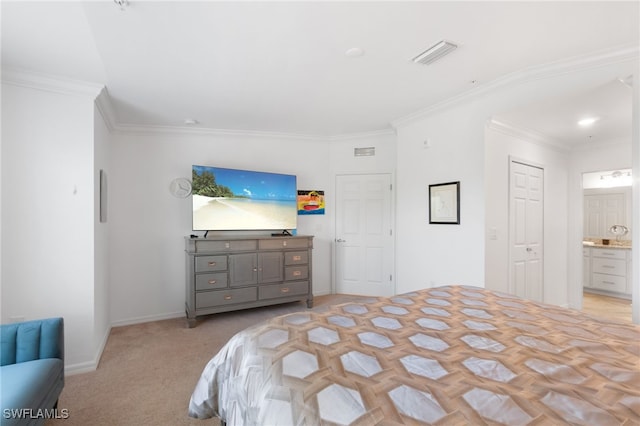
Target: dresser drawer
pixel 609 253
pixel 296 257
pixel 609 282
pixel 210 263
pixel 283 290
pixel 296 273
pixel 243 245
pixel 211 281
pixel 283 243
pixel 207 299
pixel 204 246
pixel 609 266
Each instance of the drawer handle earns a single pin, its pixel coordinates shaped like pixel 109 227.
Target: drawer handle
pixel 212 263
pixel 228 297
pixel 608 266
pixel 284 290
pixel 608 282
pixel 212 281
pixel 297 273
pixel 297 258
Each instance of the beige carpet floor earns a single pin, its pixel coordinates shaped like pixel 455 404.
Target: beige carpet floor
pixel 148 371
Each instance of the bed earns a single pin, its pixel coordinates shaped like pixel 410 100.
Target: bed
pixel 453 355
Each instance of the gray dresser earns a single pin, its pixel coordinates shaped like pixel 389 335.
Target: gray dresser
pixel 231 273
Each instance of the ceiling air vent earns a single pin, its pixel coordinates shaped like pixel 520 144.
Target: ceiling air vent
pixel 364 152
pixel 435 52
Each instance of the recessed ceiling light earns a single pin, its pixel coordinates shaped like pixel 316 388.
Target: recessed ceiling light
pixel 354 52
pixel 587 121
pixel 190 121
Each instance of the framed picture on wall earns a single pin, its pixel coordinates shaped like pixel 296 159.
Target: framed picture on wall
pixel 103 196
pixel 444 203
pixel 310 202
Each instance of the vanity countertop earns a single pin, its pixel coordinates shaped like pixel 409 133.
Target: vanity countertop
pixel 624 245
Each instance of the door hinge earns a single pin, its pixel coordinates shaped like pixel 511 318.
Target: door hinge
pixel 390 232
pixel 390 187
pixel 390 277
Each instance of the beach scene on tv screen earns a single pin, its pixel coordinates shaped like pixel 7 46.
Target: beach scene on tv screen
pixel 230 199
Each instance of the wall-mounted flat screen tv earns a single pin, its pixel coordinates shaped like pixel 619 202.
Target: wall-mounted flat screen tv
pixel 234 200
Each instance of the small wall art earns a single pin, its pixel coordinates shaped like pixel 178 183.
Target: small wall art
pixel 310 202
pixel 103 196
pixel 444 203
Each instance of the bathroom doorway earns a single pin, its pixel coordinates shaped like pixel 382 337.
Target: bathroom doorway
pixel 607 261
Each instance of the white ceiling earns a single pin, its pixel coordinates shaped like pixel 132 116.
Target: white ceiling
pixel 281 66
pixel 556 118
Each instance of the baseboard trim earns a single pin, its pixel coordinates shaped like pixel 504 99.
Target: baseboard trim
pixel 149 318
pixel 86 367
pixel 82 367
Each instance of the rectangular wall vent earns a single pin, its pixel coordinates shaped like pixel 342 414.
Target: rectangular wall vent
pixel 364 152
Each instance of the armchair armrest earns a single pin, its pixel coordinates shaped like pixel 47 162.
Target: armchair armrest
pixel 31 340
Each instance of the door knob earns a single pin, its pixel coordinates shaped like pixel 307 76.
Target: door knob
pixel 529 249
pixel 340 240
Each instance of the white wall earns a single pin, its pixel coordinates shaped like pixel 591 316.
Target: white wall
pixel 500 146
pixel 47 212
pixel 635 154
pixel 429 255
pixel 612 155
pixel 343 160
pixel 147 225
pixel 102 322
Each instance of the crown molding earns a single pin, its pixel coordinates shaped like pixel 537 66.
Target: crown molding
pixel 361 135
pixel 154 129
pixel 590 146
pixel 529 135
pixel 105 108
pixel 621 54
pixel 50 83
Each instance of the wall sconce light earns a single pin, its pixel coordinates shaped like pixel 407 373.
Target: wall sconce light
pixel 615 175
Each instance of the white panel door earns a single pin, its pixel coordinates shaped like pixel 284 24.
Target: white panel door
pixel 526 231
pixel 364 240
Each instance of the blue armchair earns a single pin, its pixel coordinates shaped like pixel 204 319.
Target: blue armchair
pixel 31 370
